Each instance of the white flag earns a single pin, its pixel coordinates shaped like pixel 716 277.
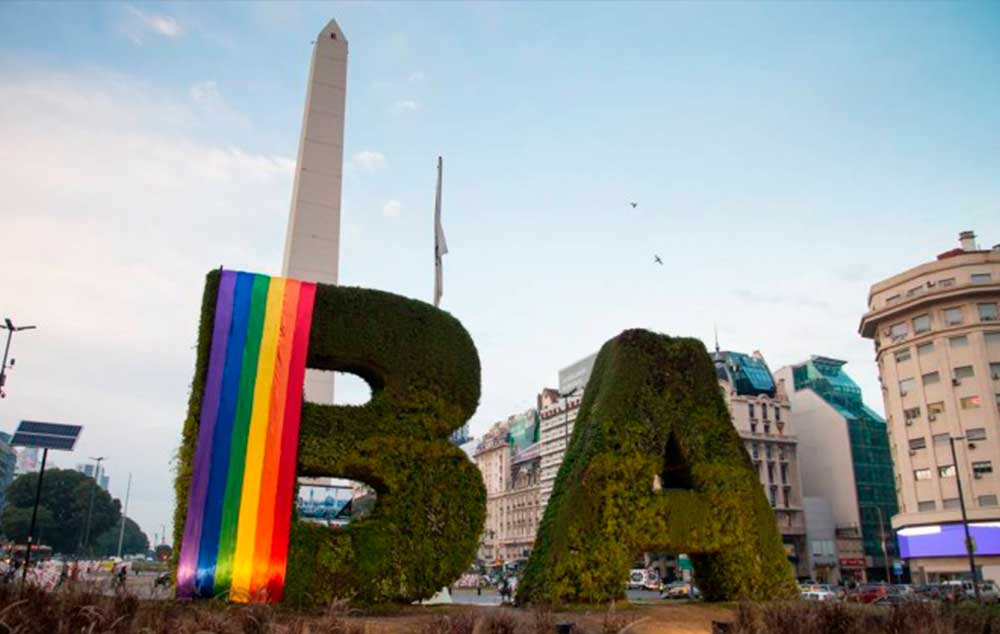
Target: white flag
pixel 440 244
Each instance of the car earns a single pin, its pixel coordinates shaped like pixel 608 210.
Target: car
pixel 988 591
pixel 818 595
pixel 868 593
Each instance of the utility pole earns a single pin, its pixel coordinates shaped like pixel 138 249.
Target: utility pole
pixel 34 516
pixel 9 326
pixel 121 531
pixel 970 546
pixel 85 537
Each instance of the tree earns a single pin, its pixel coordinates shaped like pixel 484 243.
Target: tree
pixel 134 540
pixel 65 497
pixel 16 521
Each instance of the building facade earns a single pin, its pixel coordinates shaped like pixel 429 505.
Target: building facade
pixel 844 457
pixel 8 466
pixel 509 459
pixel 87 469
pixel 936 333
pixel 762 414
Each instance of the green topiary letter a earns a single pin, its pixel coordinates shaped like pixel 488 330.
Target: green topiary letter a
pixel 655 465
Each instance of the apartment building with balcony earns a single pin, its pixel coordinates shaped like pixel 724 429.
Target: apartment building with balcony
pixel 508 457
pixel 936 333
pixel 761 412
pixel 557 411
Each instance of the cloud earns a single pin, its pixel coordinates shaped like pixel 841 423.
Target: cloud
pixel 392 209
pixel 405 105
pixel 368 160
pixel 114 208
pixel 209 100
pixel 417 76
pixel 138 23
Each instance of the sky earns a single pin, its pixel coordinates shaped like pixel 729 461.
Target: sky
pixel 784 157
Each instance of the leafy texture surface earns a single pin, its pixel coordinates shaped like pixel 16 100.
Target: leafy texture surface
pixel 655 464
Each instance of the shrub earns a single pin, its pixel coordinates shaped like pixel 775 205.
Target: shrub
pixel 424 373
pixel 653 408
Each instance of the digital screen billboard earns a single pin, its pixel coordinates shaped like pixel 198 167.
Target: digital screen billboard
pixel 948 540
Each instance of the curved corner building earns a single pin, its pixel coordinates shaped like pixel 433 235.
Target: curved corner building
pixel 937 344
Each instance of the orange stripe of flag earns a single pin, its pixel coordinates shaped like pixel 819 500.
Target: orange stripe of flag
pixel 272 455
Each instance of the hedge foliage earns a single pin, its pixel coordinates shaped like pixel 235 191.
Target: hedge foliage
pixel 653 408
pixel 423 370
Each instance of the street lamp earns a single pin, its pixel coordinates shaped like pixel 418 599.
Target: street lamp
pixel 970 546
pixel 881 528
pixel 9 326
pixel 85 539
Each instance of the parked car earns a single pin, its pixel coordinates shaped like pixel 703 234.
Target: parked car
pixel 891 600
pixel 988 591
pixel 868 593
pixel 818 595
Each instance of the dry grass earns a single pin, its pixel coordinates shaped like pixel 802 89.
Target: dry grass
pixel 843 618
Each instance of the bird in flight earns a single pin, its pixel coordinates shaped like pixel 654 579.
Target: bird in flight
pixel 634 205
pixel 657 260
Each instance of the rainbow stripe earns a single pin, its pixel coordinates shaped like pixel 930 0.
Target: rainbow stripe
pixel 240 502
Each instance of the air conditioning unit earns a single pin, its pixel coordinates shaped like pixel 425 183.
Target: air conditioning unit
pixel 931 284
pixel 909 422
pixel 903 393
pixel 886 332
pixel 932 417
pixel 956 381
pixel 977 476
pixel 972 445
pixel 913 452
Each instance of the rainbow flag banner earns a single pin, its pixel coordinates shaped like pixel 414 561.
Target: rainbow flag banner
pixel 240 503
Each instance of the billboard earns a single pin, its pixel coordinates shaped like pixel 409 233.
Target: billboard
pixel 948 540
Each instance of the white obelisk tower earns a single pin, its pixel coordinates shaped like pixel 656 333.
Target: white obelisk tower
pixel 312 243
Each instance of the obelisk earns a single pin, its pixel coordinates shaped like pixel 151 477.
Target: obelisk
pixel 312 242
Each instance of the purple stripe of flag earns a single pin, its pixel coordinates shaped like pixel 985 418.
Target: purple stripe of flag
pixel 206 427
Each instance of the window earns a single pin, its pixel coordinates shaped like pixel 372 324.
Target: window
pixel 946 282
pixel 964 372
pixel 922 323
pixel 926 506
pixel 987 312
pixel 916 290
pixel 931 378
pixel 784 496
pixel 784 474
pixel 953 316
pixel 750 409
pixel 987 500
pixel 756 452
pixel 774 496
pixel 976 433
pixel 933 409
pixel 921 474
pixel 777 413
pixel 925 348
pixel 906 385
pixel 903 355
pixel 767 428
pixel 753 427
pixel 970 402
pixel 941 439
pixel 892 300
pixel 995 371
pixel 767 451
pixel 982 468
pixel 980 278
pixel 763 411
pixel 992 337
pixel 911 413
pixel 950 503
pixel 918 443
pixel 958 342
pixel 897 331
pixel 947 471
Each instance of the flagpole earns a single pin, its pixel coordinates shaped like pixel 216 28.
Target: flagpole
pixel 440 244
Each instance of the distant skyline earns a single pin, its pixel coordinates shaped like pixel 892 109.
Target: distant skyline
pixel 784 157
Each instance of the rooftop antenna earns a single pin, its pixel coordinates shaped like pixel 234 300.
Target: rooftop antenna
pixel 715 327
